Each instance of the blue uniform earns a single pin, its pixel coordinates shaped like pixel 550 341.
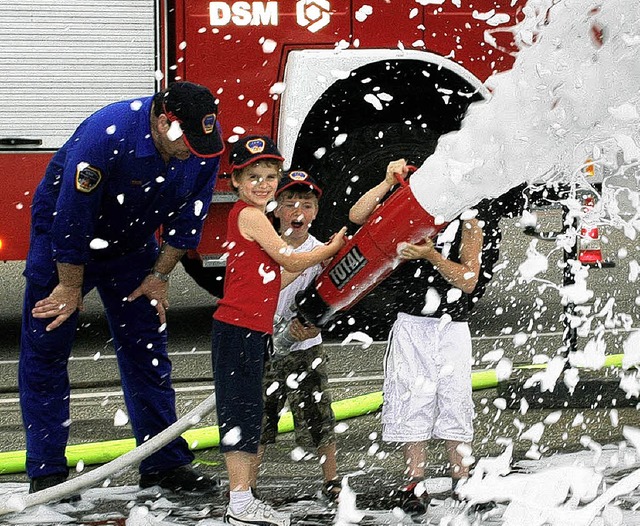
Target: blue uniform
pixel 104 195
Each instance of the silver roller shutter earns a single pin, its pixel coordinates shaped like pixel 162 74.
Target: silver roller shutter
pixel 62 60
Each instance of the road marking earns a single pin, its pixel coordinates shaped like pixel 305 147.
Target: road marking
pixel 531 335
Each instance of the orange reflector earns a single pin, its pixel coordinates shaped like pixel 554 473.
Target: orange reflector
pixel 589 170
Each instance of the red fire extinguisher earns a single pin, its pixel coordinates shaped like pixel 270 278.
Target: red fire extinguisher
pixel 368 257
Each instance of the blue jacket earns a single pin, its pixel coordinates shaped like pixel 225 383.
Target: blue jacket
pixel 107 191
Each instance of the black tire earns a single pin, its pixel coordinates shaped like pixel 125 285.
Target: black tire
pixel 347 172
pixel 210 279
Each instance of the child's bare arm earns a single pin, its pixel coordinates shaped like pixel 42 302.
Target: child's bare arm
pixel 255 226
pixel 365 206
pixel 369 201
pixel 287 278
pixel 463 275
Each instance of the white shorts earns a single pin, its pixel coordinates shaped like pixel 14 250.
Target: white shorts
pixel 427 381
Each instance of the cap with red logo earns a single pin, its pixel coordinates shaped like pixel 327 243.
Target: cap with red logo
pixel 252 148
pixel 194 108
pixel 298 179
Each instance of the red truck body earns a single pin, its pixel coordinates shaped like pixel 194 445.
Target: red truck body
pixel 237 61
pixel 343 86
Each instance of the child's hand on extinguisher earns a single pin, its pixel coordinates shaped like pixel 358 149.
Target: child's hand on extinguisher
pixel 424 250
pixel 338 239
pixel 395 168
pixel 301 331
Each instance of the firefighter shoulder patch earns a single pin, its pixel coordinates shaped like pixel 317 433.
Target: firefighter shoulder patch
pixel 87 178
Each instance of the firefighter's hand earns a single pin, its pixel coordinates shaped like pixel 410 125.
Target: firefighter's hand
pixel 396 167
pixel 60 304
pixel 158 293
pixel 301 332
pixel 425 250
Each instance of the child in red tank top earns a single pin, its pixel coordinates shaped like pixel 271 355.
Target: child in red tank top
pixel 243 322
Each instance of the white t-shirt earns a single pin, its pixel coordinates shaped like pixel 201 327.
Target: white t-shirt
pixel 287 299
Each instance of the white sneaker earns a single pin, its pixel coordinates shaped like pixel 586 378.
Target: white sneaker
pixel 257 514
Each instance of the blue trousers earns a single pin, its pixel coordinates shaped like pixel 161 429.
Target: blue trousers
pixel 141 351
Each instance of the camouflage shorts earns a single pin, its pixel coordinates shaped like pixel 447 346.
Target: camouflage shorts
pixel 305 389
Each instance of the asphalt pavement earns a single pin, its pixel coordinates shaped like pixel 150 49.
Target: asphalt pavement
pixel 521 321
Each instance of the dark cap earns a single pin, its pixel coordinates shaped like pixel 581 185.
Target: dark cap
pixel 252 148
pixel 195 109
pixel 297 179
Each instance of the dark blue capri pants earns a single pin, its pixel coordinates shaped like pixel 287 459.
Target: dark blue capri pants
pixel 239 355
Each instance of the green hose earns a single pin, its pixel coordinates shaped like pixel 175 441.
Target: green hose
pixel 208 437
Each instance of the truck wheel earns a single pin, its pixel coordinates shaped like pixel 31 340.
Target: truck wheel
pixel 349 170
pixel 345 173
pixel 210 279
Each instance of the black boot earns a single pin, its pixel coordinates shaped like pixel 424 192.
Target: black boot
pixel 182 478
pixel 47 481
pixel 411 499
pixel 331 490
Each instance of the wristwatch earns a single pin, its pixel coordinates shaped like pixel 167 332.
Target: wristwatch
pixel 162 277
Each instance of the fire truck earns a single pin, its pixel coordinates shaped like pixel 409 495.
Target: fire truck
pixel 343 86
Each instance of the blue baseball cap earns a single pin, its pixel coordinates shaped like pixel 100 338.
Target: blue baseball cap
pixel 251 149
pixel 195 109
pixel 298 179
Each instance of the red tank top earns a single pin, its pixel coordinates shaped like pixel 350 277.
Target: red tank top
pixel 251 281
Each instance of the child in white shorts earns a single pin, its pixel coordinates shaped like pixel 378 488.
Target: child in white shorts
pixel 427 388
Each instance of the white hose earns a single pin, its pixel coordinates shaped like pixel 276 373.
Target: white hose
pixel 18 503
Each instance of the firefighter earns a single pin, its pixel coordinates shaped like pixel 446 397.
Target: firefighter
pixel 129 169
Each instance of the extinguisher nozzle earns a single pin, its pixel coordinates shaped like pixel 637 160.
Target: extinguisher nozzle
pixel 312 307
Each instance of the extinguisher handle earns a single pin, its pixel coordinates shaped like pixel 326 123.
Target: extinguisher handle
pixel 403 180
